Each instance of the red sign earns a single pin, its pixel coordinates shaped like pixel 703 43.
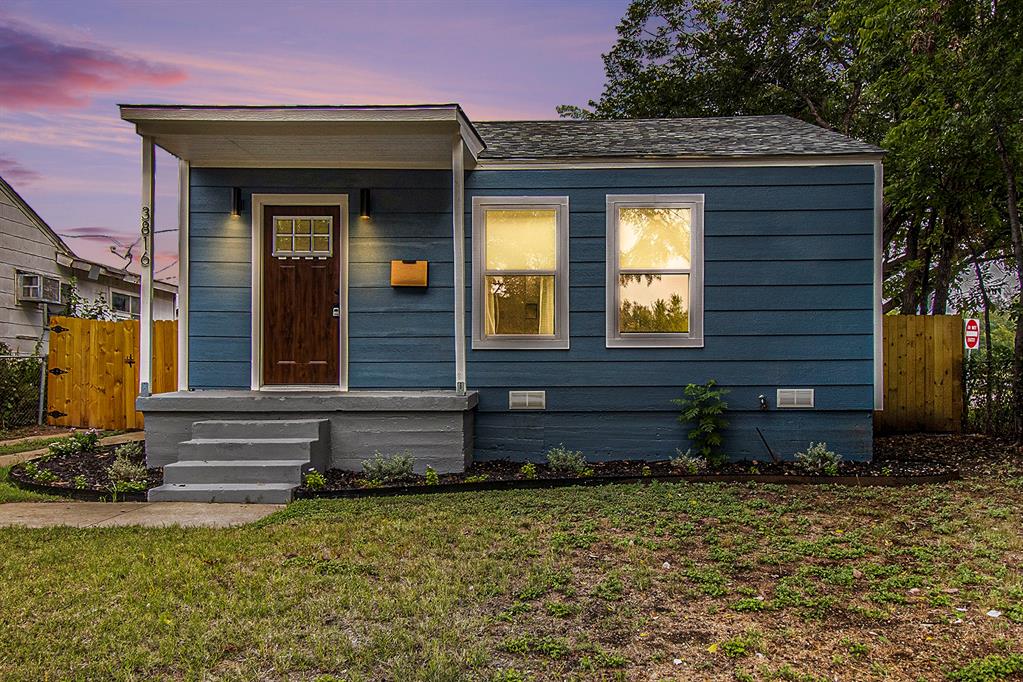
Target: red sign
pixel 972 336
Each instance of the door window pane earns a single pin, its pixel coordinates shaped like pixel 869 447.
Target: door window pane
pixel 653 303
pixel 519 304
pixel 654 238
pixel 301 244
pixel 297 236
pixel 321 226
pixel 303 226
pixel 521 239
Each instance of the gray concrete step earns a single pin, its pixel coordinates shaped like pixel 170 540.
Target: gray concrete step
pixel 261 428
pixel 249 493
pixel 246 448
pixel 236 471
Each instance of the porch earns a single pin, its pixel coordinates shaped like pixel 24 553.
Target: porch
pixel 255 446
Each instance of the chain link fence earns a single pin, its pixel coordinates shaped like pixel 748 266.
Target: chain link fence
pixel 22 391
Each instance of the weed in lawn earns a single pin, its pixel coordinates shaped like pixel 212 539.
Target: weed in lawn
pixel 740 646
pixel 560 609
pixel 511 675
pixel 546 646
pixel 610 588
pixel 989 669
pixel 710 580
pixel 602 659
pixel 545 580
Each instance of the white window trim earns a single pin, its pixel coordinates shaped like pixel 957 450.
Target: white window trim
pixel 560 339
pixel 694 337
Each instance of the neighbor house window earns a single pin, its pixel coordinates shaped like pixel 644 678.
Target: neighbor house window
pixel 125 305
pixel 654 270
pixel 520 272
pixel 33 287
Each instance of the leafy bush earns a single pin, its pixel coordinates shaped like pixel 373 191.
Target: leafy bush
pixel 563 460
pixel 819 460
pixel 431 476
pixel 78 442
pixel 528 471
pixel 390 468
pixel 688 463
pixel 19 389
pixel 703 408
pixel 314 480
pixel 125 471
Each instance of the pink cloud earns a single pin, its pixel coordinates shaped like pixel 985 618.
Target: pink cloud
pixel 15 173
pixel 39 71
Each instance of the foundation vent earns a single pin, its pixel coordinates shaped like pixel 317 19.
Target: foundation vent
pixel 795 398
pixel 527 400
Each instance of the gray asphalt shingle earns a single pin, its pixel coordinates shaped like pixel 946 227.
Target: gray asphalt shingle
pixel 733 136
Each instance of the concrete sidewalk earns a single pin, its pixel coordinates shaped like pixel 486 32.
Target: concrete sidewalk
pixel 147 514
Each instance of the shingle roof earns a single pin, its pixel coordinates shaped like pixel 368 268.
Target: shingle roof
pixel 733 136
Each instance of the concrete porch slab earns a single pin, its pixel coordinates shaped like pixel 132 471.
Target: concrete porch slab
pixel 145 514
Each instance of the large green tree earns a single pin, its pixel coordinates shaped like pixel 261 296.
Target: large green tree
pixel 935 82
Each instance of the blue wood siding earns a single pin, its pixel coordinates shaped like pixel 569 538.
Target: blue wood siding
pixel 788 303
pixel 409 331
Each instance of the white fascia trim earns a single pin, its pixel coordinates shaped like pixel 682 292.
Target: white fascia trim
pixel 142 112
pixel 258 202
pixel 878 285
pixel 184 192
pixel 733 162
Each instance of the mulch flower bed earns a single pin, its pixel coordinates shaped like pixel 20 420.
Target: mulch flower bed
pixel 82 475
pixel 888 469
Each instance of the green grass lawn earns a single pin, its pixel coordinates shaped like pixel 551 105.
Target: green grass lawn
pixel 9 493
pixel 666 581
pixel 42 442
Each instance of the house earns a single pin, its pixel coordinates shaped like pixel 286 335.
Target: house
pixel 36 271
pixel 399 277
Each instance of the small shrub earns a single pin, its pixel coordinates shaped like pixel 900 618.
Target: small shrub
pixel 431 476
pixel 689 463
pixel 819 460
pixel 65 447
pixel 124 471
pixel 134 450
pixel 528 471
pixel 566 461
pixel 79 482
pixel 30 469
pixel 703 408
pixel 390 468
pixel 478 478
pixel 314 480
pixel 44 476
pixel 646 471
pixel 130 486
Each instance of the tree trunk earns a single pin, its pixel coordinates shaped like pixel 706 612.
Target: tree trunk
pixel 1012 199
pixel 910 302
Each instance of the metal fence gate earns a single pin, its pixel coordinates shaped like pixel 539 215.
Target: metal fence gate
pixel 22 391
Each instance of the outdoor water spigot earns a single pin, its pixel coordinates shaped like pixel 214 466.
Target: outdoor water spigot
pixel 763 401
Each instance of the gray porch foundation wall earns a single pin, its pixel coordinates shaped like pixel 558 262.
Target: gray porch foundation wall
pixel 436 426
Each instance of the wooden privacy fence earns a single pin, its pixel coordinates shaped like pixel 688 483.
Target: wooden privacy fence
pixel 923 374
pixel 93 368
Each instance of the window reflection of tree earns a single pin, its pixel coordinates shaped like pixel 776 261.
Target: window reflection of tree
pixel 671 315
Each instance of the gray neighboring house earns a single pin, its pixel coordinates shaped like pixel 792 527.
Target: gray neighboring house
pixel 36 269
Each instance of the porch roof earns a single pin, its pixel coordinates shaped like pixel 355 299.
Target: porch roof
pixel 386 136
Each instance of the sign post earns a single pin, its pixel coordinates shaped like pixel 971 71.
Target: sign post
pixel 971 337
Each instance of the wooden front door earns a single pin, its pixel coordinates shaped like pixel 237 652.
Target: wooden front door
pixel 301 295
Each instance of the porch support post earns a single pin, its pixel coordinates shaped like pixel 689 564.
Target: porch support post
pixel 458 238
pixel 183 267
pixel 146 261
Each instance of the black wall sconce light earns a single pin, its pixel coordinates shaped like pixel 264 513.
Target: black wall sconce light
pixel 236 202
pixel 363 203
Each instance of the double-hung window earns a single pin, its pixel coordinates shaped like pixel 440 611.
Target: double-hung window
pixel 520 272
pixel 655 270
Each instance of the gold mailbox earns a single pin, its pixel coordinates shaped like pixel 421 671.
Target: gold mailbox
pixel 408 273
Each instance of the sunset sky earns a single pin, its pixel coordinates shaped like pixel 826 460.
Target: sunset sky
pixel 65 64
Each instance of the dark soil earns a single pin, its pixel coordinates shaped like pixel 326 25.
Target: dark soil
pixel 975 455
pixel 921 459
pixel 92 466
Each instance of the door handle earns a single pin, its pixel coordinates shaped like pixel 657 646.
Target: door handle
pixel 336 311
